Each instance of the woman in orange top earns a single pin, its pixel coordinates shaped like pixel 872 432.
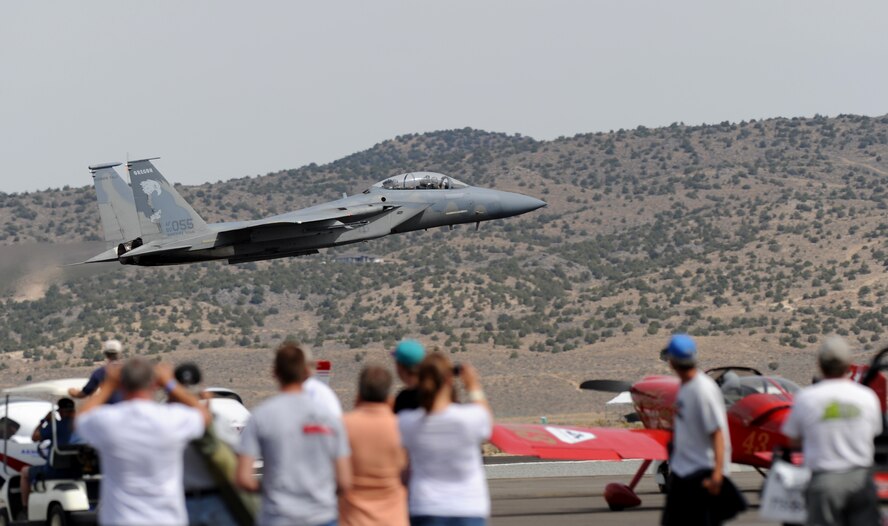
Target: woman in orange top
pixel 377 496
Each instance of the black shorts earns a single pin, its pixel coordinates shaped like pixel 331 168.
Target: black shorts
pixel 688 503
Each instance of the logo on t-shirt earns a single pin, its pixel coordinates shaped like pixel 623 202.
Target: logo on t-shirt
pixel 836 410
pixel 570 436
pixel 316 429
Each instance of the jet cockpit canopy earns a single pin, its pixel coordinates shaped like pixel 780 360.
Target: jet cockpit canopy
pixel 420 181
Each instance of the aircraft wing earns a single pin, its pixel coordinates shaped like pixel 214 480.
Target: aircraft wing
pixel 338 213
pixel 148 249
pixel 104 257
pixel 321 217
pixel 159 248
pixel 581 443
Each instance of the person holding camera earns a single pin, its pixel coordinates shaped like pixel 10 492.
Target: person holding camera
pixel 443 440
pixel 141 443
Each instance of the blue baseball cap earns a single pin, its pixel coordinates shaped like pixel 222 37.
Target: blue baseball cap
pixel 682 349
pixel 409 353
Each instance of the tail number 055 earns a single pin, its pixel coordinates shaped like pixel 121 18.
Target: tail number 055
pixel 181 225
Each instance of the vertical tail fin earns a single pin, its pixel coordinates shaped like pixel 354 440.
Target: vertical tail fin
pixel 161 211
pixel 116 205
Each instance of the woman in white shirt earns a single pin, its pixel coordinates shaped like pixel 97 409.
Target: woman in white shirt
pixel 447 483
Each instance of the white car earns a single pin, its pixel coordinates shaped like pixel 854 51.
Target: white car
pixel 228 404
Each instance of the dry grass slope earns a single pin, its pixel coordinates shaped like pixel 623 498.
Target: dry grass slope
pixel 758 237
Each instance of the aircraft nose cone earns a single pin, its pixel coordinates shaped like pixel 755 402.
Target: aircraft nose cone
pixel 517 204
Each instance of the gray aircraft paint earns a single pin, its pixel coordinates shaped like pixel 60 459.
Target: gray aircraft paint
pixel 161 211
pixel 402 203
pixel 116 206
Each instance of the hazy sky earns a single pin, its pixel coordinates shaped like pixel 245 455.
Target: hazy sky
pixel 223 89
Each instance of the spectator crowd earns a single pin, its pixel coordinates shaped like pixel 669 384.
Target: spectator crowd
pixel 411 459
pixel 415 458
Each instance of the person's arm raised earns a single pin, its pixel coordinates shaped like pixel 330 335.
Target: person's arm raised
pixel 37 435
pixel 472 382
pixel 165 377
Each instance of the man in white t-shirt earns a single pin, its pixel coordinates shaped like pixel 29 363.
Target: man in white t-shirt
pixel 836 420
pixel 140 444
pixel 322 395
pixel 701 442
pixel 317 390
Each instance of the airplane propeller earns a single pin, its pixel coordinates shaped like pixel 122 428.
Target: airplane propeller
pixel 875 367
pixel 607 386
pixel 612 386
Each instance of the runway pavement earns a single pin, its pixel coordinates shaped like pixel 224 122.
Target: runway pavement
pixel 574 500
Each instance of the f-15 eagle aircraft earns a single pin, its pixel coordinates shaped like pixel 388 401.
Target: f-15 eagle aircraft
pixel 153 225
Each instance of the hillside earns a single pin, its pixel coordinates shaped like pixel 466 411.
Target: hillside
pixel 759 237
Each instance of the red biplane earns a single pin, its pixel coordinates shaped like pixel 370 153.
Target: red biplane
pixel 756 405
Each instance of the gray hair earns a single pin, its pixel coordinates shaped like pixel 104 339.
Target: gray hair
pixel 137 375
pixel 374 384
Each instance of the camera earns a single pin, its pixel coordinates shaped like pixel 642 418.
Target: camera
pixel 187 374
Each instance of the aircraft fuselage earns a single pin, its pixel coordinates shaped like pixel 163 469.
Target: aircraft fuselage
pixel 403 210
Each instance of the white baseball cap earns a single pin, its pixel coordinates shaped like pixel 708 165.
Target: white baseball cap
pixel 112 346
pixel 835 350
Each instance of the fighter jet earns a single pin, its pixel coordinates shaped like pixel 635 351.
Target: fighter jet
pixel 153 225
